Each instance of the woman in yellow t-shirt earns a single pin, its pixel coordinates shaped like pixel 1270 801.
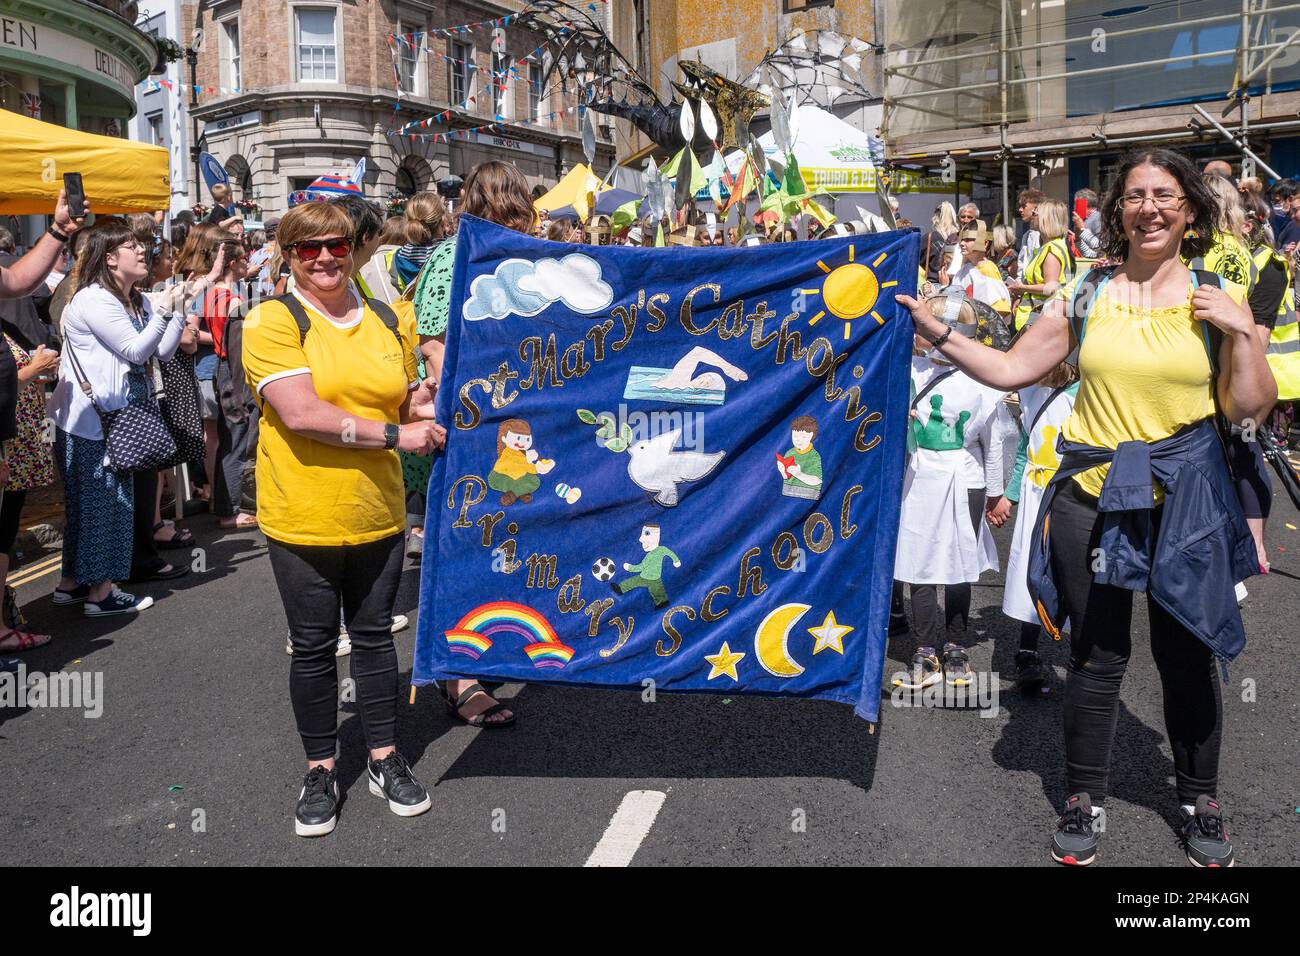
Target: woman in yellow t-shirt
pixel 337 402
pixel 1144 377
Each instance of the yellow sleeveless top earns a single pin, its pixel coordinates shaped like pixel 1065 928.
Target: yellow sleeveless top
pixel 1144 374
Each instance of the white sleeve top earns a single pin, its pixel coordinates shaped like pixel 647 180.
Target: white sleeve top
pixel 99 333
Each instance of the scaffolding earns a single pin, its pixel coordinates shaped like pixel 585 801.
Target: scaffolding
pixel 993 70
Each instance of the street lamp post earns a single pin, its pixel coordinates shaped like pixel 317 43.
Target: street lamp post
pixel 192 58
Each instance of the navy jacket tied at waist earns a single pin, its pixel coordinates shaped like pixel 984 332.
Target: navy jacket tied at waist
pixel 1203 547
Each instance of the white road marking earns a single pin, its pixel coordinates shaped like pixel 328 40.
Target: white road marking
pixel 628 828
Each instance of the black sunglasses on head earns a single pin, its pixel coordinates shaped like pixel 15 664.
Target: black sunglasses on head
pixel 308 250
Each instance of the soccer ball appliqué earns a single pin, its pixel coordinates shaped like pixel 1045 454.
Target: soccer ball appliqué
pixel 603 569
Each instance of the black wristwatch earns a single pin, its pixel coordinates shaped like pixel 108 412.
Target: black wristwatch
pixel 56 234
pixel 391 433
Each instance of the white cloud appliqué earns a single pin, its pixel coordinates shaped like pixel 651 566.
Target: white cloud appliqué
pixel 519 287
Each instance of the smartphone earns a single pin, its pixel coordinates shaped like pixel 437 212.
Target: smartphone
pixel 76 194
pixel 1081 208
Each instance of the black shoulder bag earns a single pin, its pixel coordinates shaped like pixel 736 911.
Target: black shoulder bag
pixel 135 437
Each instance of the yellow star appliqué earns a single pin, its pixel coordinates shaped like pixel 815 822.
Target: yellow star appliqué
pixel 724 662
pixel 829 634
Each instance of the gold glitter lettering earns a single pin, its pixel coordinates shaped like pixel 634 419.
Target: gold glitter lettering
pixel 685 316
pixel 671 631
pixel 475 491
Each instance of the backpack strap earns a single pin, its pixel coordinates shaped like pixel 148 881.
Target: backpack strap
pixel 387 316
pixel 380 308
pixel 290 302
pixel 930 385
pixel 1085 292
pixel 1056 393
pixel 1210 333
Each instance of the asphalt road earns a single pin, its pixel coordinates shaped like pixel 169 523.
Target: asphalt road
pixel 197 729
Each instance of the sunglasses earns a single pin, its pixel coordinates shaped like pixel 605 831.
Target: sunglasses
pixel 308 250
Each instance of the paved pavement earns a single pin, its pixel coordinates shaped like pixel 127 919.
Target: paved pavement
pixel 197 729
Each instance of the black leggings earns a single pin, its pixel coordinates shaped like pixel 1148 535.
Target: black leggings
pixel 11 510
pixel 956 597
pixel 1100 644
pixel 144 550
pixel 313 582
pixel 1254 488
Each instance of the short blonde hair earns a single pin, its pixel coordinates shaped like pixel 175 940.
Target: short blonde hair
pixel 220 192
pixel 1053 219
pixel 1004 237
pixel 311 220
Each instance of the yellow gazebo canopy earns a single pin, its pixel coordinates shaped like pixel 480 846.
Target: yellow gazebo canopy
pixel 571 190
pixel 118 175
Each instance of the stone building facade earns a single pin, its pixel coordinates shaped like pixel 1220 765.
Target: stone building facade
pixel 294 89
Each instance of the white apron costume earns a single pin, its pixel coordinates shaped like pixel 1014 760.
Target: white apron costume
pixel 976 435
pixel 1041 462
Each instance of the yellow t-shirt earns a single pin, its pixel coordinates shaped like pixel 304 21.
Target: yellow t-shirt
pixel 1144 374
pixel 309 492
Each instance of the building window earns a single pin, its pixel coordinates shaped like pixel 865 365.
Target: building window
pixel 230 53
pixel 535 91
pixel 794 6
pixel 462 62
pixel 500 85
pixel 156 134
pixel 408 61
pixel 317 44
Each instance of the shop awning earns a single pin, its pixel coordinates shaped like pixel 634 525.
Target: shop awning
pixel 118 175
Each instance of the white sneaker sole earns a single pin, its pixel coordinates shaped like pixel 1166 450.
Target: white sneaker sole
pixel 929 681
pixel 315 829
pixel 402 811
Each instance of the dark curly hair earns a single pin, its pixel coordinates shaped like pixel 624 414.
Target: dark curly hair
pixel 1202 204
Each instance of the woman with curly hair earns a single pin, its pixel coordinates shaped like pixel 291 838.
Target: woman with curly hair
pixel 1143 499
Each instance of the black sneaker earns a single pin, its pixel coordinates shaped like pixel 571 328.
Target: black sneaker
pixel 1077 834
pixel 77 595
pixel 956 666
pixel 117 602
pixel 318 803
pixel 392 778
pixel 1205 835
pixel 1030 675
pixel 925 671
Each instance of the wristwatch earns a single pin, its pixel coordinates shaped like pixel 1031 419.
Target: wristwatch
pixel 56 234
pixel 391 433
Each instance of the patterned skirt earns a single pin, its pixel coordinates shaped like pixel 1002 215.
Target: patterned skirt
pixel 98 504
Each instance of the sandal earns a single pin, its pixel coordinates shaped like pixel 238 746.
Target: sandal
pixel 478 720
pixel 22 641
pixel 181 537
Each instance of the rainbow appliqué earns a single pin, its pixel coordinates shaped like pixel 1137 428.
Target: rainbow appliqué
pixel 474 633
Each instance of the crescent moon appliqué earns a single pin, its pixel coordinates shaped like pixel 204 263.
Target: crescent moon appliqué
pixel 771 640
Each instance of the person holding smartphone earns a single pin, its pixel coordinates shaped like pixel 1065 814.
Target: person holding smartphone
pixel 27 273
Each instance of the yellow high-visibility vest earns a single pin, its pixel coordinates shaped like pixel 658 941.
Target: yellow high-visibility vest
pixel 1283 352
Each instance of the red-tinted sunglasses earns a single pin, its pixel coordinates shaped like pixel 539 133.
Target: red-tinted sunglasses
pixel 308 250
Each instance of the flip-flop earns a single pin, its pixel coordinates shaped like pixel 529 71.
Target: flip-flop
pixel 478 720
pixel 181 537
pixel 26 641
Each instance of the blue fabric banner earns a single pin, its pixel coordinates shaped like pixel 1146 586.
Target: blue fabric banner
pixel 678 465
